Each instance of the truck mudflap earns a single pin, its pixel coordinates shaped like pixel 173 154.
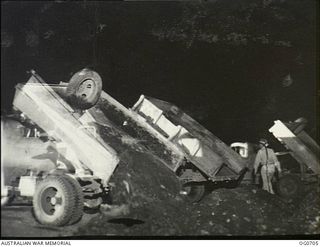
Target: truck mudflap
pixel 43 106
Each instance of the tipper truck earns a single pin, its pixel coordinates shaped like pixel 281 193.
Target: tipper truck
pixel 50 151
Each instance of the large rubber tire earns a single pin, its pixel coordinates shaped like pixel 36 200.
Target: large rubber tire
pixel 56 201
pixel 84 89
pixel 195 192
pixel 289 186
pixel 79 205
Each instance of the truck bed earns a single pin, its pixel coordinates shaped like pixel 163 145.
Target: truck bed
pixel 207 152
pixel 42 105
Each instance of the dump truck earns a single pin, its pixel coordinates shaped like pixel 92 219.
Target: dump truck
pixel 51 151
pixel 304 167
pixel 198 158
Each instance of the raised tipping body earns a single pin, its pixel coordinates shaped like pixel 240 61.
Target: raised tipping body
pixel 303 148
pixel 49 111
pixel 206 151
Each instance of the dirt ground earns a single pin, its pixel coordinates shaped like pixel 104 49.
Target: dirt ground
pixel 243 211
pixel 17 221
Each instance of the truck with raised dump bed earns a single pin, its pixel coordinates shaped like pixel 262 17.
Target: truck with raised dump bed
pixel 50 151
pixel 303 164
pixel 194 154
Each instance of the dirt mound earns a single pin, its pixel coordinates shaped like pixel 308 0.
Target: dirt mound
pixel 140 178
pixel 243 211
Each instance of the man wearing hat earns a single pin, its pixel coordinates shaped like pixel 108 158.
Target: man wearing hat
pixel 267 159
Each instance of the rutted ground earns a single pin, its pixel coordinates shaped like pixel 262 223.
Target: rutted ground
pixel 243 211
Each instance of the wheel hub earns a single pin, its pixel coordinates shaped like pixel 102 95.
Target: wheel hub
pixel 53 201
pixel 86 88
pixel 50 200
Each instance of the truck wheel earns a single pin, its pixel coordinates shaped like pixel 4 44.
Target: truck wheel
pixel 194 192
pixel 78 209
pixel 289 186
pixel 56 201
pixel 84 89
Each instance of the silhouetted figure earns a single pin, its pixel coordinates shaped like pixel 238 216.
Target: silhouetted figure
pixel 267 159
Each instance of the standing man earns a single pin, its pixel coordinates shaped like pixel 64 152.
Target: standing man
pixel 267 159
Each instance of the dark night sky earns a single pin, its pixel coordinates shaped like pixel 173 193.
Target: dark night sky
pixel 223 62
